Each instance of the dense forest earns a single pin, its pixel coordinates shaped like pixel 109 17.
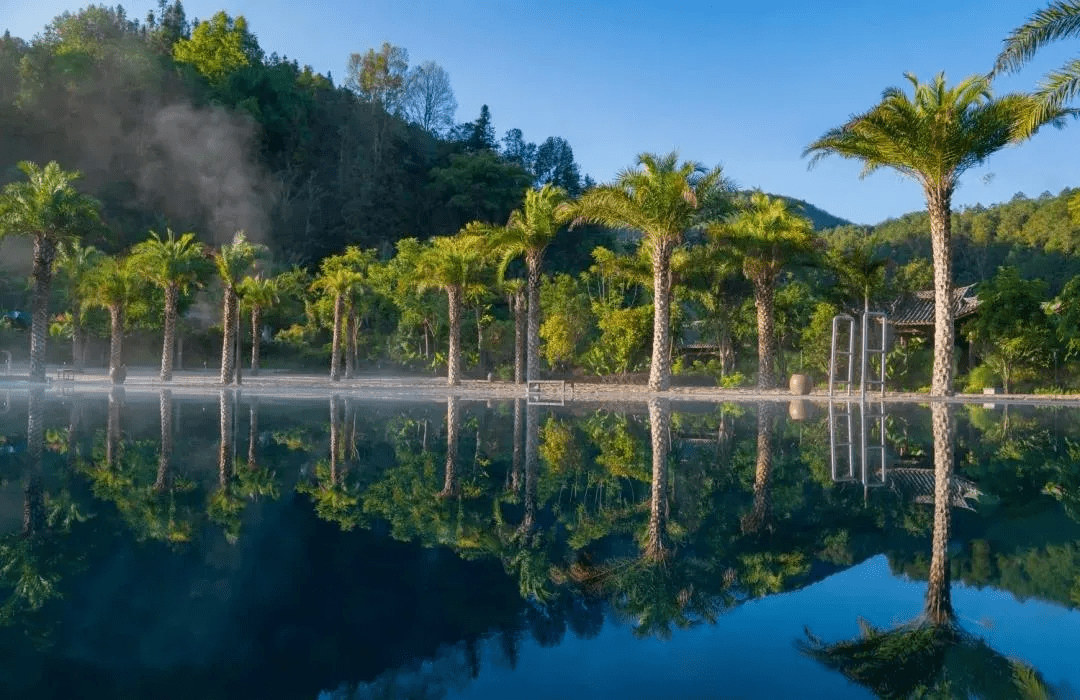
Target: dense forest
pixel 354 196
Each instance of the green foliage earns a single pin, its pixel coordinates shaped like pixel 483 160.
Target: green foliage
pixel 567 319
pixel 218 47
pixel 622 346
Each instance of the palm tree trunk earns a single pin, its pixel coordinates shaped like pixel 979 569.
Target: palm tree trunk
pixel 453 359
pixel 350 341
pixel 450 486
pixel 256 337
pixel 520 311
pixel 78 340
pixel 660 367
pixel 657 548
pixel 44 256
pixel 761 512
pixel 228 346
pixel 172 297
pixel 764 300
pixel 938 609
pixel 253 432
pixel 532 470
pixel 335 348
pixel 164 473
pixel 533 261
pixel 938 204
pixel 116 343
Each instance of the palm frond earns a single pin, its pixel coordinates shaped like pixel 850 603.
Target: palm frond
pixel 1059 20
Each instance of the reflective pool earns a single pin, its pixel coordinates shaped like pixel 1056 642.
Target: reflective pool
pixel 232 546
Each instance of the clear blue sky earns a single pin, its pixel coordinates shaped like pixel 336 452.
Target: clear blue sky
pixel 724 83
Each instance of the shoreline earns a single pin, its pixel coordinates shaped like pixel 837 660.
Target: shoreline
pixel 286 385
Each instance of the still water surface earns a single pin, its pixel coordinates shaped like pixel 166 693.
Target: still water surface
pixel 165 546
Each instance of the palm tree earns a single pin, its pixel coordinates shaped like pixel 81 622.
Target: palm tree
pixel 1058 20
pixel 76 263
pixel 515 295
pixel 933 138
pixel 453 264
pixel 341 283
pixel 232 261
pixel 113 288
pixel 662 201
pixel 257 294
pixel 767 235
pixel 48 209
pixel 175 265
pixel 527 234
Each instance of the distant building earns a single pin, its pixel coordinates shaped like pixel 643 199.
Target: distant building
pixel 912 314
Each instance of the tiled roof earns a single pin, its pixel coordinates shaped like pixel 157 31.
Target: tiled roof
pixel 918 309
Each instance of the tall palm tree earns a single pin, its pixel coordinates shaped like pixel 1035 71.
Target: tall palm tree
pixel 453 264
pixel 527 234
pixel 340 283
pixel 232 261
pixel 933 137
pixel 662 200
pixel 257 294
pixel 767 235
pixel 113 286
pixel 48 209
pixel 515 294
pixel 76 264
pixel 175 265
pixel 1058 20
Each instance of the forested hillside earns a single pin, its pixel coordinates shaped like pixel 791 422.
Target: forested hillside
pixel 203 129
pixel 381 232
pixel 1039 237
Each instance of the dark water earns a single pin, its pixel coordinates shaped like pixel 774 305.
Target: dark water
pixel 231 547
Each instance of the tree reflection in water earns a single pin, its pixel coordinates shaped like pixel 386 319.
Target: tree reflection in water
pixel 931 656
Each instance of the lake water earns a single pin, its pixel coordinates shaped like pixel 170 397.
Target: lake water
pixel 228 546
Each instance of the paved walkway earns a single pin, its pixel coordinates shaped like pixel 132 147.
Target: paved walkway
pixel 274 383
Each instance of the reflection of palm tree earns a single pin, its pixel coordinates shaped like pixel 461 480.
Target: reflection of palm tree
pixel 112 426
pixel 939 610
pixel 931 654
pixel 515 472
pixel 253 432
pixel 658 548
pixel 25 564
pixel 759 517
pixel 532 470
pixel 225 504
pixel 164 473
pixel 335 499
pixel 450 485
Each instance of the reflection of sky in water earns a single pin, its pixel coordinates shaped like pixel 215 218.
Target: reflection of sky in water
pixel 750 651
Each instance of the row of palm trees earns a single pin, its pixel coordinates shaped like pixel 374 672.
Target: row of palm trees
pixel 931 137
